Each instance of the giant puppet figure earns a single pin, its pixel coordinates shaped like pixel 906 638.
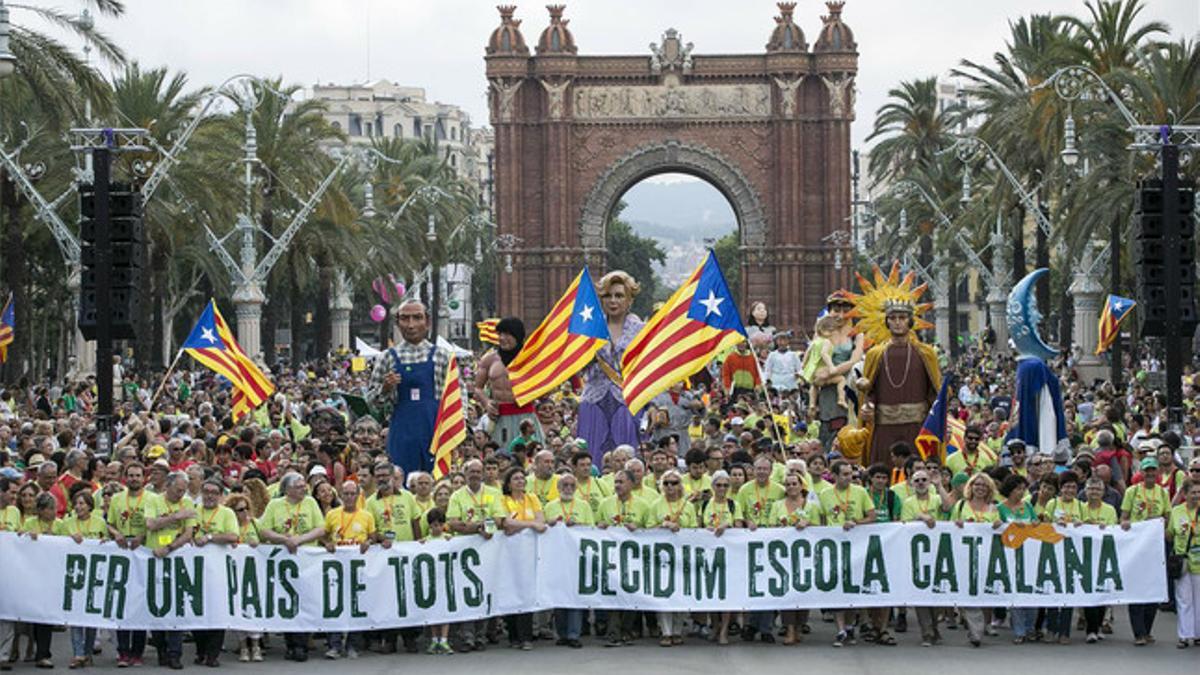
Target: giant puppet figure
pixel 494 391
pixel 1037 416
pixel 604 419
pixel 901 377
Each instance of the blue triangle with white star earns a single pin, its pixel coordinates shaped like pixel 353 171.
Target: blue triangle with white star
pixel 204 335
pixel 587 317
pixel 713 302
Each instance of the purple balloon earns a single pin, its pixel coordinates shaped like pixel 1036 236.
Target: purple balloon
pixel 378 313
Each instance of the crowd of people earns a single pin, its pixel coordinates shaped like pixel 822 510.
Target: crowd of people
pixel 744 444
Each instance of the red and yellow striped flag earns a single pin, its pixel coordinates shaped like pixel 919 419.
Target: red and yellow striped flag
pixel 212 344
pixel 487 331
pixel 8 324
pixel 699 321
pixel 565 342
pixel 449 427
pixel 1115 310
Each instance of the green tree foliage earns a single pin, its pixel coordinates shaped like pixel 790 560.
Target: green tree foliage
pixel 729 255
pixel 636 255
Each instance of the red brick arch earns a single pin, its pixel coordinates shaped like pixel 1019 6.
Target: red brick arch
pixel 771 131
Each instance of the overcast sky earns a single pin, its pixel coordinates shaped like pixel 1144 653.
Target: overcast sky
pixel 438 44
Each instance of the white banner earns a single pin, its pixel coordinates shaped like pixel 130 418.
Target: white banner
pixel 55 581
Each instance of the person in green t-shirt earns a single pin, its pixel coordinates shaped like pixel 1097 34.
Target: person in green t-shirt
pixel 757 496
pixel 1183 529
pixel 977 506
pixel 215 524
pixel 170 520
pixel 397 516
pixel 925 505
pixel 1065 509
pixel 84 523
pixel 622 509
pixel 1095 512
pixel 1143 503
pixel 722 511
pixel 570 512
pixel 127 511
pixel 10 515
pixel 847 505
pixel 293 520
pixel 672 510
pixel 475 508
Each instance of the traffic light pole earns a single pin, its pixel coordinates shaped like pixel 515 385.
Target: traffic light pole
pixel 1173 275
pixel 102 172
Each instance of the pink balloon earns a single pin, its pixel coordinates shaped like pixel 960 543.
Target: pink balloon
pixel 378 313
pixel 399 290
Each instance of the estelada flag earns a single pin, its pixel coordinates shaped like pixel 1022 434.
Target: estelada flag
pixel 487 331
pixel 8 324
pixel 212 344
pixel 1115 310
pixel 449 427
pixel 934 431
pixel 696 323
pixel 564 343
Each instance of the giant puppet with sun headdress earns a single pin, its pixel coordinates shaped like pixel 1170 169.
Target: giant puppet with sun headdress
pixel 901 377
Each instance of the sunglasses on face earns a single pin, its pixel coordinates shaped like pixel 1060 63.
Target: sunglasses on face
pixel 670 482
pixel 241 509
pixel 920 480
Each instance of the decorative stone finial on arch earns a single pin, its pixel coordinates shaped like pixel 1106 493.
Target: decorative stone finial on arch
pixel 673 155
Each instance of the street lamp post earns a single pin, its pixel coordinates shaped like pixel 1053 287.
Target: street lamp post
pixel 1070 83
pixel 8 61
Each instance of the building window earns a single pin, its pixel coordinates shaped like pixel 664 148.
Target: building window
pixel 416 127
pixel 356 125
pixel 370 129
pixel 454 161
pixel 337 126
pixel 398 131
pixel 454 133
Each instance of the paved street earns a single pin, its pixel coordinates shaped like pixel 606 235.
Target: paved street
pixel 998 655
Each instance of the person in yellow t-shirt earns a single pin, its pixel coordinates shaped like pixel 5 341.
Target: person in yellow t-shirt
pixel 973 458
pixel 347 525
pixel 542 481
pixel 1095 512
pixel 798 509
pixel 977 506
pixel 1143 503
pixel 924 505
pixel 1183 529
pixel 475 508
pixel 397 516
pixel 1065 509
pixel 847 505
pixel 170 520
pixel 590 489
pixel 10 515
pixel 672 511
pixel 697 484
pixel 622 509
pixel 421 484
pixel 522 511
pixel 82 524
pixel 215 524
pixel 127 512
pixel 722 511
pixel 569 511
pixel 641 489
pixel 757 495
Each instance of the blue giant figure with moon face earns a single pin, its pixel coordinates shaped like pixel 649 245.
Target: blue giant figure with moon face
pixel 1037 412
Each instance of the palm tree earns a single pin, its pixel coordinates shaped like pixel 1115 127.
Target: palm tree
pixel 48 90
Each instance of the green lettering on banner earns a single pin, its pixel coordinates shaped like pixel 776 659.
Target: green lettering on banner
pixel 777 584
pixel 801 565
pixel 189 586
pixel 1048 576
pixel 94 583
pixel 75 578
pixel 448 559
pixel 664 579
pixel 398 566
pixel 331 575
pixel 424 581
pixel 973 544
pixel 1077 565
pixel 710 579
pixel 647 560
pixel 589 569
pixel 231 584
pixel 288 570
pixel 917 547
pixel 997 581
pixel 875 576
pixel 115 591
pixel 945 576
pixel 607 565
pixel 158 587
pixel 687 571
pixel 1023 585
pixel 753 549
pixel 826 565
pixel 251 592
pixel 1108 576
pixel 848 585
pixel 356 587
pixel 628 570
pixel 473 591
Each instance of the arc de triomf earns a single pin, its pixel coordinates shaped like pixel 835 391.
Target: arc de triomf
pixel 771 131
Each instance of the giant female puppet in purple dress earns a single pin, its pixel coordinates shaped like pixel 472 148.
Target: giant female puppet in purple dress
pixel 604 419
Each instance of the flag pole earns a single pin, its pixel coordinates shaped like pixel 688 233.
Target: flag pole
pixel 762 385
pixel 163 384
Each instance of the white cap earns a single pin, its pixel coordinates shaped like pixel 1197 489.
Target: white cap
pixel 317 470
pixel 737 421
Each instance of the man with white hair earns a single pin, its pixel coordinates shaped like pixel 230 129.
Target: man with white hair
pixel 170 519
